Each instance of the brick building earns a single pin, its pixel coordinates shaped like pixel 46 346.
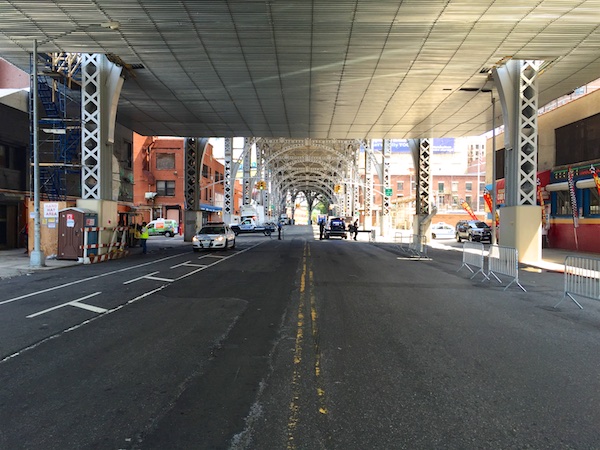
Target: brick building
pixel 159 174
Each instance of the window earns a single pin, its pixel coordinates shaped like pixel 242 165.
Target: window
pixel 165 161
pixel 205 171
pixel 400 186
pixel 4 156
pixel 563 203
pixel 441 187
pixel 594 201
pixel 468 186
pixel 128 154
pixel 165 188
pixel 469 200
pixel 218 176
pixel 455 186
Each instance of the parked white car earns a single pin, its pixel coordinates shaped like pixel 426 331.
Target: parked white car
pixel 442 230
pixel 216 235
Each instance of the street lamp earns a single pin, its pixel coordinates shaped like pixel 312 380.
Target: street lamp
pixel 37 258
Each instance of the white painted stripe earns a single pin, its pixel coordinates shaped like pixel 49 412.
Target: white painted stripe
pixel 61 305
pixel 189 264
pixel 185 263
pixel 140 278
pixel 92 308
pixel 83 280
pixel 168 280
pixel 75 327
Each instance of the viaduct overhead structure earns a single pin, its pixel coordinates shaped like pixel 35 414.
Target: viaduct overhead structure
pixel 326 77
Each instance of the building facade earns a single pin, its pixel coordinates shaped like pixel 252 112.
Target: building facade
pixel 568 147
pixel 159 180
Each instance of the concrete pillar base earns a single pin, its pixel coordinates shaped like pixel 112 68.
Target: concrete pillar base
pixel 37 259
pixel 521 228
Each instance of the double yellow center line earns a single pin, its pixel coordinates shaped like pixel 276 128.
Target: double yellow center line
pixel 307 296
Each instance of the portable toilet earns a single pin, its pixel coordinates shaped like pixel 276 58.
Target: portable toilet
pixel 71 224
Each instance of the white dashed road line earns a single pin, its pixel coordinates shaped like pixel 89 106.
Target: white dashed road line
pixel 77 303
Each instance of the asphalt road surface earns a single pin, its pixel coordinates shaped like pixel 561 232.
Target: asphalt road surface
pixel 294 344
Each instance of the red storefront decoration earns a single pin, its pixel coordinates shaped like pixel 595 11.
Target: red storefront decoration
pixel 469 211
pixel 573 205
pixel 541 200
pixel 596 178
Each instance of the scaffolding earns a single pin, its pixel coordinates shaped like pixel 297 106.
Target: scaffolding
pixel 59 96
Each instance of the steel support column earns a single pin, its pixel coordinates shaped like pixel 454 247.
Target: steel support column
pixel 517 87
pixel 520 219
pixel 100 91
pixel 384 222
pixel 368 200
pixel 424 211
pixel 246 166
pixel 229 180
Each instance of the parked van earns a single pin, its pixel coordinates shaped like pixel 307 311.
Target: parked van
pixel 165 227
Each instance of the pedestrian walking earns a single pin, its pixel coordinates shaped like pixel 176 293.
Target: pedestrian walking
pixel 144 237
pixel 355 228
pixel 321 227
pixel 279 230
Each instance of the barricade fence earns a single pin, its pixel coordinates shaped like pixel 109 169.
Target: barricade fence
pixel 115 247
pixel 413 244
pixel 582 278
pixel 473 257
pixel 504 261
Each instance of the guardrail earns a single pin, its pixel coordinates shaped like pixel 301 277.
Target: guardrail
pixel 473 257
pixel 504 261
pixel 582 277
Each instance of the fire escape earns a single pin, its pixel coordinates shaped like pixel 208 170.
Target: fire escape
pixel 59 97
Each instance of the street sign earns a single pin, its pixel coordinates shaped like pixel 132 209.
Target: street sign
pixel 388 192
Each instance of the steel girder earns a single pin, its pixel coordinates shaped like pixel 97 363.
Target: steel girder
pixel 517 86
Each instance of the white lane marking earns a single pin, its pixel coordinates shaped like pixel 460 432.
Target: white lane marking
pixel 77 303
pixel 85 322
pixel 140 278
pixel 110 311
pixel 167 280
pixel 187 264
pixel 91 308
pixel 83 280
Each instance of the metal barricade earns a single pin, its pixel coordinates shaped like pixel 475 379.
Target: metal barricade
pixel 418 245
pixel 473 257
pixel 504 261
pixel 412 244
pixel 582 277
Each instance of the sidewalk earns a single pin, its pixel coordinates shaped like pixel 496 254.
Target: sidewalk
pixel 16 262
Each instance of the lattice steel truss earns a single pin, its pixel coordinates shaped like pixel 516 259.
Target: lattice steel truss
pixel 527 135
pixel 228 181
pixel 386 154
pixel 368 200
pixel 91 129
pixel 423 204
pixel 194 152
pixel 246 165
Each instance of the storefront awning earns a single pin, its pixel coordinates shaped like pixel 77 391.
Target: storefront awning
pixel 210 208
